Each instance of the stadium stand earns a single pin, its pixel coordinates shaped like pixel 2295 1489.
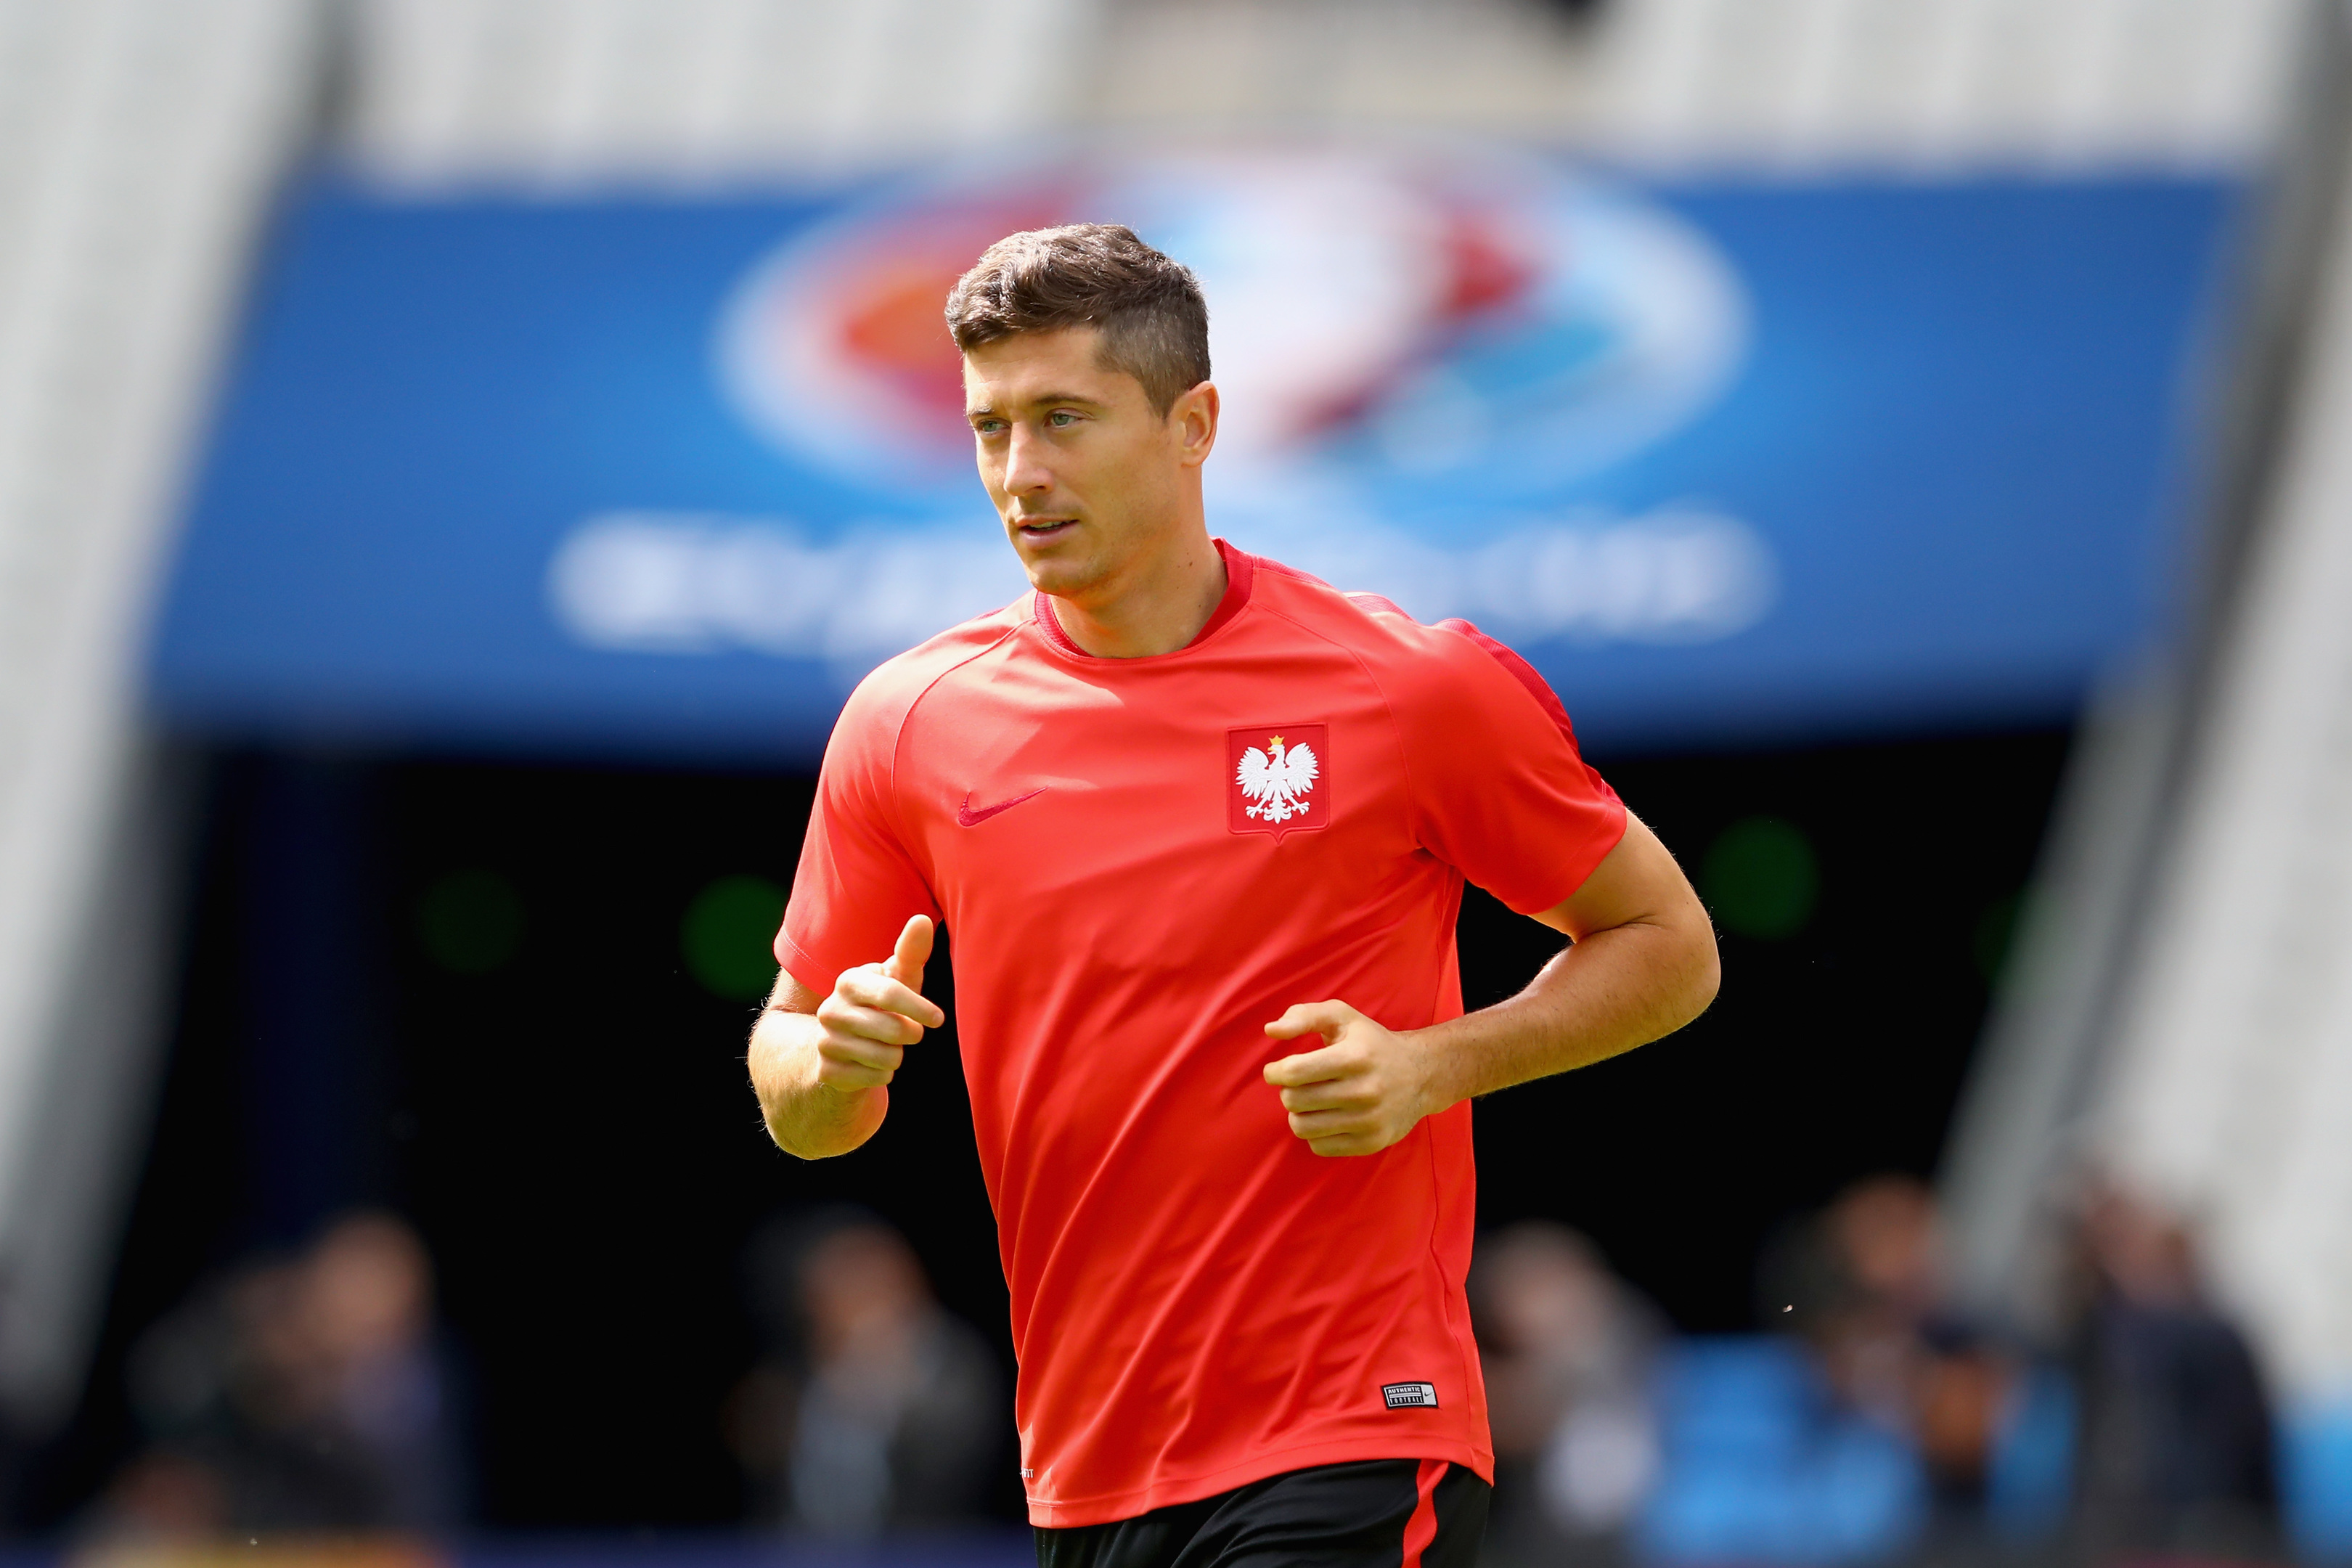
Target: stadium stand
pixel 139 144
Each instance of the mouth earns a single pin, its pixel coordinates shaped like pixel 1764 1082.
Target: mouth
pixel 1046 528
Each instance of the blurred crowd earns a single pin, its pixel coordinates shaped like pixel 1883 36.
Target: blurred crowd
pixel 1874 1421
pixel 1878 1421
pixel 874 1410
pixel 1572 1358
pixel 308 1394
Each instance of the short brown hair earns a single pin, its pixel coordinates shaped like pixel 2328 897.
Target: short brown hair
pixel 1154 322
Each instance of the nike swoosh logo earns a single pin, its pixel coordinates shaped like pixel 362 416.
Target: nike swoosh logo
pixel 967 817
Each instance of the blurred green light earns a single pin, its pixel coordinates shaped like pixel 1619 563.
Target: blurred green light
pixel 471 921
pixel 728 936
pixel 1761 879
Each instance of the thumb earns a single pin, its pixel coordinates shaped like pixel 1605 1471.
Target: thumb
pixel 912 951
pixel 1324 1018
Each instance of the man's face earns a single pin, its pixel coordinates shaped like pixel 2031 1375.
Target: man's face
pixel 1087 476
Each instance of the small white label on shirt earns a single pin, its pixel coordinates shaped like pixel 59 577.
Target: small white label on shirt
pixel 1407 1396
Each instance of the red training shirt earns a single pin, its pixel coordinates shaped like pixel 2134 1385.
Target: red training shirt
pixel 1199 1300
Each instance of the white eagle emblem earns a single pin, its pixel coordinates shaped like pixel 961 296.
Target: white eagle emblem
pixel 1277 785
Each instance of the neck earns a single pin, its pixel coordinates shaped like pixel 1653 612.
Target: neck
pixel 1158 608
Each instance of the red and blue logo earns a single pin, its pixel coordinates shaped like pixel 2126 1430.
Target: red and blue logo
pixel 1390 317
pixel 1424 353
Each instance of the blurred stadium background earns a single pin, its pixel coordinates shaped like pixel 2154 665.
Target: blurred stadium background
pixel 456 454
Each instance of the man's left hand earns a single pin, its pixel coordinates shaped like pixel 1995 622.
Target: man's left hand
pixel 1361 1090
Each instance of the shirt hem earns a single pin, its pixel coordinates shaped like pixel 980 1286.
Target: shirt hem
pixel 786 951
pixel 1624 820
pixel 1115 1506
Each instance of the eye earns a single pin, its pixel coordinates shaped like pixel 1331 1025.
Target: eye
pixel 987 427
pixel 1061 419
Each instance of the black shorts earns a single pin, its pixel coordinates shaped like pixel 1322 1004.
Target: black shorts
pixel 1376 1513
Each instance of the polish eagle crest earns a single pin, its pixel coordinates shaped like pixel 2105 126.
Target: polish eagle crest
pixel 1277 786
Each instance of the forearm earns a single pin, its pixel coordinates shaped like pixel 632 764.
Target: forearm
pixel 1616 989
pixel 806 1117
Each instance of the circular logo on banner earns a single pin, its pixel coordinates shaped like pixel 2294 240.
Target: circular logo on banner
pixel 1455 321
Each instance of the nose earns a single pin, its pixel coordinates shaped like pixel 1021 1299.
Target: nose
pixel 1025 472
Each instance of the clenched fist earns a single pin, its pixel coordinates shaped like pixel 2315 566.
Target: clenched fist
pixel 875 1013
pixel 1362 1089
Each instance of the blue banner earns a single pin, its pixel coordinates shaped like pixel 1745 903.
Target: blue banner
pixel 1727 463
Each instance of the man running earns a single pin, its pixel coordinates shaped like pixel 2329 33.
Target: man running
pixel 1200 825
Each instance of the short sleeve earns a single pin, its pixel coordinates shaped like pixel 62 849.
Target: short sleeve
pixel 1500 791
pixel 858 883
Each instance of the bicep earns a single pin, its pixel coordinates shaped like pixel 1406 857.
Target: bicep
pixel 1636 883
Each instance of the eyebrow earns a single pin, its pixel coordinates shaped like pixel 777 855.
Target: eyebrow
pixel 989 409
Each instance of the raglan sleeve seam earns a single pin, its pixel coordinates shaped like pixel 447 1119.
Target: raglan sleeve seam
pixel 1524 683
pixel 900 826
pixel 898 806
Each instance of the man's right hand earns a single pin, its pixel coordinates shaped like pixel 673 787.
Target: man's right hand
pixel 821 1065
pixel 876 1012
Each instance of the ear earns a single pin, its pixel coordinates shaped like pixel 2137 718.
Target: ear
pixel 1194 416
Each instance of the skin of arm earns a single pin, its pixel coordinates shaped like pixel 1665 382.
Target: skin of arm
pixel 1642 963
pixel 821 1065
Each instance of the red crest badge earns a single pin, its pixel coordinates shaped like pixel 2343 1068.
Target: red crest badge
pixel 1277 778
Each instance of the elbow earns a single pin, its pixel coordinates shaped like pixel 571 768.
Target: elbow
pixel 798 1143
pixel 770 1089
pixel 789 1145
pixel 793 1130
pixel 1702 972
pixel 809 1149
pixel 811 1123
pixel 1709 979
pixel 780 1132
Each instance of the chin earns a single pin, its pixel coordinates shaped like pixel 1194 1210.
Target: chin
pixel 1063 579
